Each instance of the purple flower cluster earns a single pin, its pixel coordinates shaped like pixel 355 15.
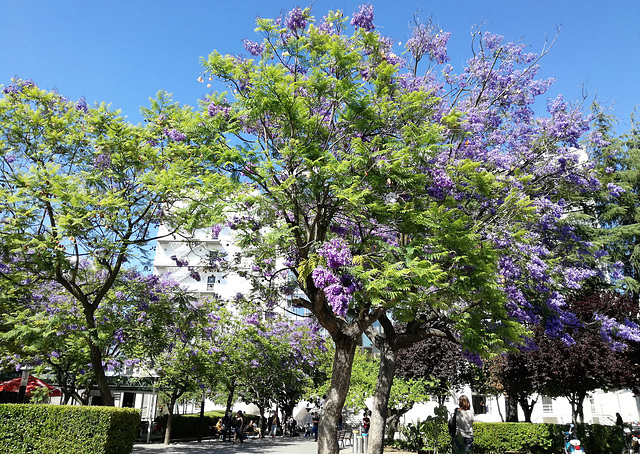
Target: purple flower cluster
pixel 363 18
pixel 17 85
pixel 179 262
pixel 337 253
pixel 215 231
pixel 81 105
pixel 296 19
pixel 254 48
pixel 615 190
pixel 574 276
pixel 102 161
pixel 428 40
pixel 324 278
pixel 218 109
pixel 613 331
pixel 175 135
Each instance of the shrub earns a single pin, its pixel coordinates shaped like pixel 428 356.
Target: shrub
pixel 62 429
pixel 500 438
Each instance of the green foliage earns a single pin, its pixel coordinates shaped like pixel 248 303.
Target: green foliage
pixel 429 434
pixel 61 429
pixel 521 437
pixel 499 438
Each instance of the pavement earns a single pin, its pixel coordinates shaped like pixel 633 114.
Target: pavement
pixel 281 445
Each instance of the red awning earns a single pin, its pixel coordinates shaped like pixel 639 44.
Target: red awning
pixel 32 383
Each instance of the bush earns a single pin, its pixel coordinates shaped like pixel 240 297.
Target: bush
pixel 516 437
pixel 62 429
pixel 500 438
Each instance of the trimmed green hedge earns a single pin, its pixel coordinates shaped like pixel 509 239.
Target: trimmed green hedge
pixel 526 438
pixel 186 426
pixel 518 437
pixel 64 429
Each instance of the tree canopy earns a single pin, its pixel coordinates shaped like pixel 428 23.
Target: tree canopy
pixel 397 190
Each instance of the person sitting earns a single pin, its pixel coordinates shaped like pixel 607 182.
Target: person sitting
pixel 219 429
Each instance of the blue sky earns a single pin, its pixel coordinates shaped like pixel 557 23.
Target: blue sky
pixel 124 51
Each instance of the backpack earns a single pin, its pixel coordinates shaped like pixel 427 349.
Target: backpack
pixel 452 423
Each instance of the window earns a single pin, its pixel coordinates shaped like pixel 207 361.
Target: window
pixel 547 404
pixel 478 403
pixel 211 281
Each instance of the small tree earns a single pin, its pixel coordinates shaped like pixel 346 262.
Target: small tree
pixel 82 190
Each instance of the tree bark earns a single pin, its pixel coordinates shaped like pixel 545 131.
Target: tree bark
pixel 381 400
pixel 511 409
pixel 100 377
pixel 170 407
pixel 340 378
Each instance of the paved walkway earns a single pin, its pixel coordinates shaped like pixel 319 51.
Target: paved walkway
pixel 254 445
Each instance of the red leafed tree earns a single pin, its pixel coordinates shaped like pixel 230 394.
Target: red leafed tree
pixel 595 359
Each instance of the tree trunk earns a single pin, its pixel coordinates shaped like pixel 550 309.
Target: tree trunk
pixel 340 378
pixel 527 408
pixel 511 409
pixel 232 390
pixel 381 400
pixel 100 378
pixel 167 432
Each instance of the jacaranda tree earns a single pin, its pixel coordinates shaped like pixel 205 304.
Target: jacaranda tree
pixel 395 190
pixel 81 191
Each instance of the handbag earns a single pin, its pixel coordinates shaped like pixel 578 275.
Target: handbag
pixel 452 424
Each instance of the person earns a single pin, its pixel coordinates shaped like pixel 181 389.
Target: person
pixel 307 430
pixel 220 429
pixel 227 424
pixel 315 421
pixel 619 421
pixel 463 440
pixel 366 423
pixel 251 428
pixel 274 425
pixel 239 426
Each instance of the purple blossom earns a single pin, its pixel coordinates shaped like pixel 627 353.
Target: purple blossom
pixel 574 276
pixel 179 262
pixel 194 274
pixel 337 253
pixel 175 135
pixel 253 319
pixel 215 231
pixel 338 299
pixel 492 41
pixel 102 161
pixel 323 278
pixel 615 190
pixel 81 105
pixel 430 41
pixel 218 109
pixel 253 48
pixel 363 18
pixel 296 19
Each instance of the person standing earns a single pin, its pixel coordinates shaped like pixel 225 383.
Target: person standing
pixel 274 425
pixel 315 421
pixel 239 426
pixel 366 423
pixel 463 440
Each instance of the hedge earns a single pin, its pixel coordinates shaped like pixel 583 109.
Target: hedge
pixel 526 438
pixel 187 426
pixel 64 429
